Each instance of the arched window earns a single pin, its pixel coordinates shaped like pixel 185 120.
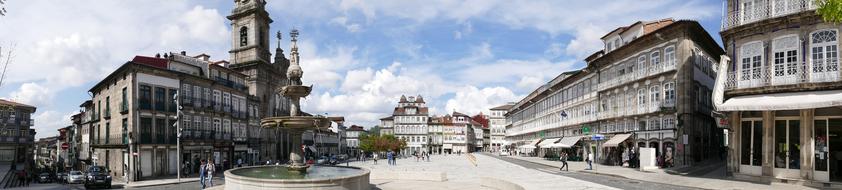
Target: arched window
pixel 823 56
pixel 655 93
pixel 669 56
pixel 244 36
pixel 655 64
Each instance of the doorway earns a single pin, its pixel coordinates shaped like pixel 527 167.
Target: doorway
pixel 787 148
pixel 828 149
pixel 751 146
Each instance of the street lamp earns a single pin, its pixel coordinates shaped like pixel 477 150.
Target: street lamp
pixel 178 135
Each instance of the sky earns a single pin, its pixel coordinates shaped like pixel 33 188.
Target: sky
pixel 361 56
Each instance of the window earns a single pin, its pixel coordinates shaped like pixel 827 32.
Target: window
pixel 108 107
pixel 641 65
pixel 654 123
pixel 172 106
pixel 185 124
pixel 655 94
pixel 185 95
pixel 160 99
pixel 751 57
pixel 145 130
pixel 124 104
pixel 641 96
pixel 785 60
pixel 669 122
pixel 669 56
pixel 217 100
pixel 161 130
pixel 669 93
pixel 244 32
pixel 824 56
pixel 197 96
pixel 145 97
pixel 655 64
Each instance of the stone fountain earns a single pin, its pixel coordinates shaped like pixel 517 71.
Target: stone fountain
pixel 296 174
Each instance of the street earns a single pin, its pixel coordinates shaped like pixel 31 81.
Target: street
pixel 616 182
pixel 179 186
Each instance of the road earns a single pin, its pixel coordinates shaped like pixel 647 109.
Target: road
pixel 616 182
pixel 56 186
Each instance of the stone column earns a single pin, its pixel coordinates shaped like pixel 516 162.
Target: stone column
pixel 734 143
pixel 807 145
pixel 768 142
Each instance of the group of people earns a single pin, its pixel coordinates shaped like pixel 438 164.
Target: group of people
pixel 206 170
pixel 421 156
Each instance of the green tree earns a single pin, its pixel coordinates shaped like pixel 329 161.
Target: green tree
pixel 830 10
pixel 374 130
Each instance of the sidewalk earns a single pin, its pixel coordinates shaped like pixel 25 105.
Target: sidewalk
pixel 217 180
pixel 463 172
pixel 711 180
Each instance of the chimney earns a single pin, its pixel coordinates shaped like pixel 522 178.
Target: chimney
pixel 166 56
pixel 158 55
pixel 184 53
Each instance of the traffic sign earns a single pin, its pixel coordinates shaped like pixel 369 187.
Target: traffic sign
pixel 597 137
pixel 64 146
pixel 586 130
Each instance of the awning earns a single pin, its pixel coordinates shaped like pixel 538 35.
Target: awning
pixel 312 148
pixel 783 101
pixel 566 142
pixel 547 142
pixel 616 140
pixel 531 145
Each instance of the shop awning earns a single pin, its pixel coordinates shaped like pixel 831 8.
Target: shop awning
pixel 547 142
pixel 783 101
pixel 616 140
pixel 532 144
pixel 566 142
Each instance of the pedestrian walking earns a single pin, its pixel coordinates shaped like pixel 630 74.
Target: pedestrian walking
pixel 239 162
pixel 374 157
pixel 389 157
pixel 415 153
pixel 428 157
pixel 211 168
pixel 564 162
pixel 202 170
pixel 590 161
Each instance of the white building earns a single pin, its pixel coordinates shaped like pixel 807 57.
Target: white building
pixel 497 120
pixel 410 124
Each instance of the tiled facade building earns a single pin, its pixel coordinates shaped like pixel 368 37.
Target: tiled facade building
pixel 16 135
pixel 650 77
pixel 779 89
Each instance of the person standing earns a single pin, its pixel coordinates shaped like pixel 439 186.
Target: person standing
pixel 239 162
pixel 389 158
pixel 428 157
pixel 564 162
pixel 374 157
pixel 210 169
pixel 202 170
pixel 590 161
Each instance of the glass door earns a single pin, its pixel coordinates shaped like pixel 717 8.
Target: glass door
pixel 824 56
pixel 751 145
pixel 821 160
pixel 787 148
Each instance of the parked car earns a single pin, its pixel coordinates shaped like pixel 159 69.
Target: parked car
pixel 97 176
pixel 322 160
pixel 44 178
pixel 75 176
pixel 60 177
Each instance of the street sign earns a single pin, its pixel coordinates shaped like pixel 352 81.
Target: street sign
pixel 586 130
pixel 598 137
pixel 64 146
pixel 721 119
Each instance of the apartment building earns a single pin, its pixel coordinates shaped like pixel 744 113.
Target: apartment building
pixel 778 88
pixel 497 121
pixel 650 77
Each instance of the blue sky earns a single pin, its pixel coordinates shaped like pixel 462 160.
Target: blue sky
pixel 360 55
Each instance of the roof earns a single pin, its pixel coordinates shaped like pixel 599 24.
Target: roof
pixel 151 61
pixel 355 128
pixel 419 99
pixel 506 106
pixel 86 103
pixel 481 119
pixel 459 114
pixel 403 99
pixel 17 104
pixel 388 118
pixel 648 26
pixel 337 118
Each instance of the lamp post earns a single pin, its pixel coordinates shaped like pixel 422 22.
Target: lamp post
pixel 178 136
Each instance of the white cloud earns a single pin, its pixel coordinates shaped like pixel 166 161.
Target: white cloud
pixel 343 21
pixel 32 94
pixel 471 100
pixel 47 123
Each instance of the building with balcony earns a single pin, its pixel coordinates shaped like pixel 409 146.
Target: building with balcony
pixel 16 135
pixel 435 126
pixel 410 124
pixel 651 77
pixel 779 91
pixel 387 125
pixel 458 133
pixel 482 134
pixel 352 139
pixel 497 122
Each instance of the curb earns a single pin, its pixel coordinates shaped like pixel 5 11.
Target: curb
pixel 580 171
pixel 159 184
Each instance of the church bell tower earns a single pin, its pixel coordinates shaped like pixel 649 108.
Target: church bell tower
pixel 249 33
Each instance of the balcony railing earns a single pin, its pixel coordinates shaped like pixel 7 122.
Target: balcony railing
pixel 820 70
pixel 764 10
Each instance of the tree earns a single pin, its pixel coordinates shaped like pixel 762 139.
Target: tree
pixel 374 130
pixel 830 10
pixel 377 143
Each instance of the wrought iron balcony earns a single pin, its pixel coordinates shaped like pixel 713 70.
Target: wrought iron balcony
pixel 819 70
pixel 764 10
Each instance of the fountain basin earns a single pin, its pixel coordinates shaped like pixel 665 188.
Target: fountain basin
pixel 296 122
pixel 279 177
